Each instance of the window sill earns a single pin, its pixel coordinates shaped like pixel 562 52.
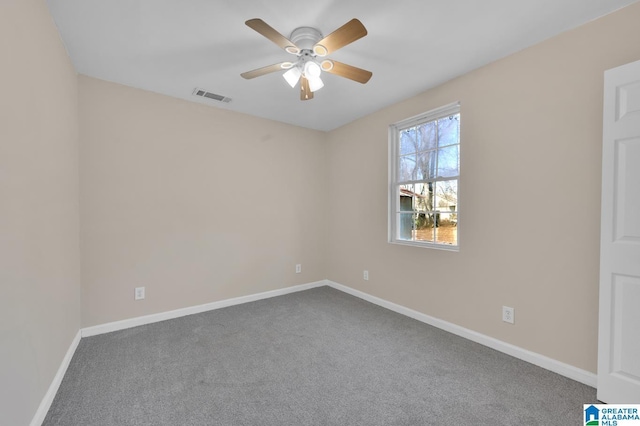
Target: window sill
pixel 427 245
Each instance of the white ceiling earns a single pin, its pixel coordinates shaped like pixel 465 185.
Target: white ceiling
pixel 173 46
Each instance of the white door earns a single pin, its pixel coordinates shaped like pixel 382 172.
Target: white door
pixel 619 318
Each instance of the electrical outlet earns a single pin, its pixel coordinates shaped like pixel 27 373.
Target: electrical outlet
pixel 508 315
pixel 365 275
pixel 298 268
pixel 139 293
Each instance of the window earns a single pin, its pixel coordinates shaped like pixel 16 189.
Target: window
pixel 424 170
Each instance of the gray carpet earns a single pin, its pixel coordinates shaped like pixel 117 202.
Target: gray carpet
pixel 318 357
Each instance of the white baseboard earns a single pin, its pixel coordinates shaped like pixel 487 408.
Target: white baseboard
pixel 547 363
pixel 45 404
pixel 162 316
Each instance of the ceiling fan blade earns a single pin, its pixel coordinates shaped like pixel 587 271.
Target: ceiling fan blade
pixel 348 33
pixel 305 92
pixel 267 31
pixel 265 70
pixel 348 71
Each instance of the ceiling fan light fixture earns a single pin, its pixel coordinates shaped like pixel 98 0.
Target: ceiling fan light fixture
pixel 312 70
pixel 315 83
pixel 286 65
pixel 320 50
pixel 292 49
pixel 292 76
pixel 326 65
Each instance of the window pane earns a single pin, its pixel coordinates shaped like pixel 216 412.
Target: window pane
pixel 418 197
pixel 405 192
pixel 408 141
pixel 449 161
pixel 427 133
pixel 449 130
pixel 424 227
pixel 426 165
pixel 407 169
pixel 447 196
pixel 405 226
pixel 423 196
pixel 447 228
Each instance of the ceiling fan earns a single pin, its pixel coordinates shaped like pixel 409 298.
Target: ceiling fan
pixel 310 48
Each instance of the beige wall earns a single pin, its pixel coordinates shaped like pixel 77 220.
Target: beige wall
pixel 39 259
pixel 195 203
pixel 531 143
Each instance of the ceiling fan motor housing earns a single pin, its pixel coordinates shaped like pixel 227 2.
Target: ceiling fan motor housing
pixel 305 37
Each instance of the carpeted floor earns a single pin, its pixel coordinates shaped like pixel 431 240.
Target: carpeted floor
pixel 317 357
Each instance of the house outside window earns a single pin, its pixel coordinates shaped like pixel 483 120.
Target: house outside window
pixel 424 172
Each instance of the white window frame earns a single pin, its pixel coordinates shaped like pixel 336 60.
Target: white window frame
pixel 394 183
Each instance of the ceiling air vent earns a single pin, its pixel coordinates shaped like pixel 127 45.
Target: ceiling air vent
pixel 214 96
